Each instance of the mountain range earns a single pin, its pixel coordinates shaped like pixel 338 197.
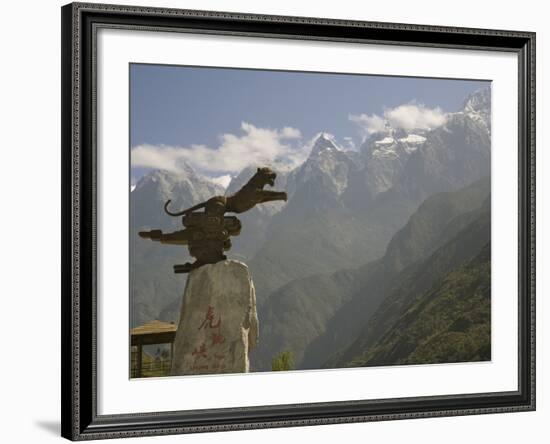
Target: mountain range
pixel 356 225
pixel 319 315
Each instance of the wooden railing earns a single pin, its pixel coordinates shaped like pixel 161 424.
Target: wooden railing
pixel 153 368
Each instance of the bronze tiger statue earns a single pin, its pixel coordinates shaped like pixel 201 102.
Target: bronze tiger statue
pixel 250 195
pixel 207 234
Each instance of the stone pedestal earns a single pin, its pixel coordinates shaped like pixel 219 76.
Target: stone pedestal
pixel 218 322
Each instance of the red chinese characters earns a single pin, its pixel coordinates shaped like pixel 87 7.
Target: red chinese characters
pixel 209 319
pixel 212 326
pixel 210 323
pixel 200 352
pixel 217 338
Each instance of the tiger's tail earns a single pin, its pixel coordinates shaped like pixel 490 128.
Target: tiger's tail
pixel 181 213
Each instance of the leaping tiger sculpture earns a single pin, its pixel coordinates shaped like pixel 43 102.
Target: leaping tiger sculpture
pixel 207 233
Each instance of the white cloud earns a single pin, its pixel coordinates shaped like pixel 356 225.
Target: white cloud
pixel 222 180
pixel 159 157
pixel 408 117
pixel 371 124
pixel 291 133
pixel 256 146
pixel 413 116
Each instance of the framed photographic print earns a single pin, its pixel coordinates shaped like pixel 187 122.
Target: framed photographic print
pixel 278 221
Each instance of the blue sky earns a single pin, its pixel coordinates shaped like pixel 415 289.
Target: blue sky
pixel 203 114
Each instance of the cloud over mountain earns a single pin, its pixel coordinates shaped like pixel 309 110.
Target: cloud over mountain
pixel 223 180
pixel 407 117
pixel 369 123
pixel 255 146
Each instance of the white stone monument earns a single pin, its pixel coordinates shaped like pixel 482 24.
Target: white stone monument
pixel 218 322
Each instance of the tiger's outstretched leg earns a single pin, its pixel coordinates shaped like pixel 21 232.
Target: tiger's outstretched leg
pixel 268 196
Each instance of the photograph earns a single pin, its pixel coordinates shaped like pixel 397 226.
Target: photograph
pixel 275 222
pixel 282 221
pixel 298 220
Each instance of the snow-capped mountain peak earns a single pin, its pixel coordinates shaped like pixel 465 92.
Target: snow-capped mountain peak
pixel 324 143
pixel 185 185
pixel 385 154
pixel 326 162
pixel 393 143
pixel 385 141
pixel 479 101
pixel 477 106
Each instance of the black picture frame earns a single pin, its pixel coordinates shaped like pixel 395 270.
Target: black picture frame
pixel 79 174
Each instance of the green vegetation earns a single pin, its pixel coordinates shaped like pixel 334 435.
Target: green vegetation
pixel 410 285
pixel 283 361
pixel 451 322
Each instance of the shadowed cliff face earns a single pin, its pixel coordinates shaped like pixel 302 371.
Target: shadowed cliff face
pixel 418 281
pixel 448 322
pixel 321 314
